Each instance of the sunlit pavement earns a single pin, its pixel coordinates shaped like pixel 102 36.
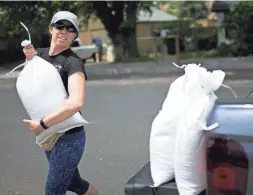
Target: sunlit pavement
pixel 117 140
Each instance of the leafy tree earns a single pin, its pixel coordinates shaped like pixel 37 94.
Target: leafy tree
pixel 119 19
pixel 238 24
pixel 35 15
pixel 193 9
pixel 173 7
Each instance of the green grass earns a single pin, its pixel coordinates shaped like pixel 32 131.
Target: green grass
pixel 193 55
pixel 183 56
pixel 199 54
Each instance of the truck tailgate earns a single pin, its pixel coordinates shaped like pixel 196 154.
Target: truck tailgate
pixel 140 183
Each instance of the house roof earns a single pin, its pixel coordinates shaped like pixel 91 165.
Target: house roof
pixel 223 6
pixel 157 15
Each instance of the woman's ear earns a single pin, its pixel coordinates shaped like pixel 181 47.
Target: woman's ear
pixel 74 38
pixel 50 29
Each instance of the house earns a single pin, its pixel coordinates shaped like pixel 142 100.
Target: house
pixel 146 24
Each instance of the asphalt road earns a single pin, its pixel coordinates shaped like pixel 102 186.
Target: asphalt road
pixel 117 141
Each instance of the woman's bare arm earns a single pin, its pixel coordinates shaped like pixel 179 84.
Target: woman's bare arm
pixel 75 101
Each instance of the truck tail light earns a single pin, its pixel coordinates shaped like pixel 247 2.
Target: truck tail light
pixel 227 167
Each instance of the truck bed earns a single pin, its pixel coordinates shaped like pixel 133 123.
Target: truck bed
pixel 140 182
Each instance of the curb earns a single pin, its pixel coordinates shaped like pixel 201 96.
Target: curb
pixel 230 75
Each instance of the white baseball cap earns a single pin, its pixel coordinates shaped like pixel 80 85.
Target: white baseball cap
pixel 66 15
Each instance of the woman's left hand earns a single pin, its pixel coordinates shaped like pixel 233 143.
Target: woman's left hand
pixel 35 126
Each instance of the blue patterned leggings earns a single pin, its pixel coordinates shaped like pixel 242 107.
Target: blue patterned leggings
pixel 63 174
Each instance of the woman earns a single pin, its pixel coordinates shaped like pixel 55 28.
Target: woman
pixel 63 151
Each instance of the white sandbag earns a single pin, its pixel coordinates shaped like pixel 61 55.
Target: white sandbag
pixel 163 132
pixel 176 137
pixel 189 152
pixel 162 146
pixel 41 90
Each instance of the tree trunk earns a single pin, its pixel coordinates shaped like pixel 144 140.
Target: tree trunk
pixel 118 46
pixel 131 11
pixel 111 22
pixel 123 37
pixel 131 44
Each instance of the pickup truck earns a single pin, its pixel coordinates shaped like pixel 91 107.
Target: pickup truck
pixel 85 51
pixel 229 155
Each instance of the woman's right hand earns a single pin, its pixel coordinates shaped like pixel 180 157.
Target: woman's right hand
pixel 29 51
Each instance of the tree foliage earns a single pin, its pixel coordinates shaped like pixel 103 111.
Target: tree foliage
pixel 119 19
pixel 173 7
pixel 36 15
pixel 193 9
pixel 238 25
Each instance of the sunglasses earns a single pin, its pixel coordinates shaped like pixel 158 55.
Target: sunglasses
pixel 69 28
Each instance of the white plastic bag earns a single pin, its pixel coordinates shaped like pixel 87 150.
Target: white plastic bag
pixel 42 92
pixel 200 99
pixel 163 134
pixel 190 93
pixel 163 131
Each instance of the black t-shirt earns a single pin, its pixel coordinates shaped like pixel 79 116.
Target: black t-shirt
pixel 66 62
